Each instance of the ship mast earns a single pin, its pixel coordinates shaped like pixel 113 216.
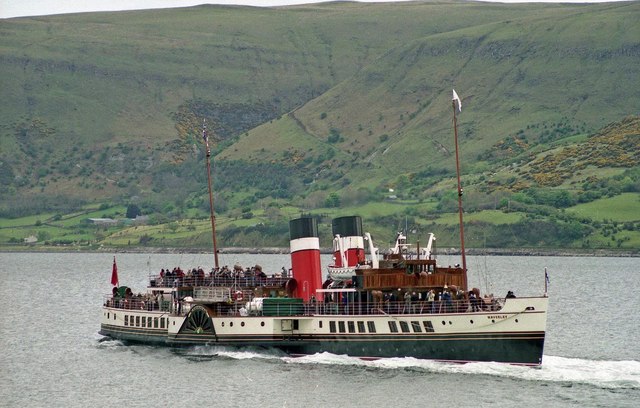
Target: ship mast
pixel 455 130
pixel 213 217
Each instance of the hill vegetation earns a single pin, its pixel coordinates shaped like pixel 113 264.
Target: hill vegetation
pixel 330 109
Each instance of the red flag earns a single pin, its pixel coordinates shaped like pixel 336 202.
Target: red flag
pixel 114 273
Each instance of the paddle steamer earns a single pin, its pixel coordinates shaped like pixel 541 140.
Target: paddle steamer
pixel 398 304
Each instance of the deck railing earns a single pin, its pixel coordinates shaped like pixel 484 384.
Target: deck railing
pixel 217 281
pixel 246 308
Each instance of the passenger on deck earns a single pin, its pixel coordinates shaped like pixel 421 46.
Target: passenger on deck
pixel 446 299
pixel 431 297
pixel 415 299
pixel 473 300
pixel 510 295
pixel 407 302
pixel 259 273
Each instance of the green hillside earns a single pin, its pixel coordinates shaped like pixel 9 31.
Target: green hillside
pixel 331 109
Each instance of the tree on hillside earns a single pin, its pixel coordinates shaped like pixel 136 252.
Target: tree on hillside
pixel 133 211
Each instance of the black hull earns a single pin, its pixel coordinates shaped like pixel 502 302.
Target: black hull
pixel 520 349
pixel 513 348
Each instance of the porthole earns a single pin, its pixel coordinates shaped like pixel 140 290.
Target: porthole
pixel 444 323
pixel 450 322
pixel 516 320
pixel 222 324
pixel 471 321
pixel 242 324
pixel 493 321
pixel 262 324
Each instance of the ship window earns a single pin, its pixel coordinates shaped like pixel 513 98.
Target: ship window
pixel 371 326
pixel 262 324
pixel 352 326
pixel 416 327
pixel 296 324
pixel 405 327
pixel 361 328
pixel 428 326
pixel 144 321
pixel 393 326
pixel 332 326
pixel 108 316
pixel 162 322
pixel 114 316
pixel 320 324
pixel 137 321
pixel 242 324
pixel 126 320
pixel 155 322
pixel 341 327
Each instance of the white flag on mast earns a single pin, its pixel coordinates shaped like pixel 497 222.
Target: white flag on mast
pixel 456 98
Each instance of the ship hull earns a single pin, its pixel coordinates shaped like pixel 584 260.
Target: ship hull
pixel 515 335
pixel 522 348
pixel 512 348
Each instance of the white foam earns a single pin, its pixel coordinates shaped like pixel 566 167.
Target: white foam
pixel 601 374
pixel 598 373
pixel 230 352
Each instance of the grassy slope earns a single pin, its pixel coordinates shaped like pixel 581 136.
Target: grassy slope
pixel 511 74
pixel 621 208
pixel 97 80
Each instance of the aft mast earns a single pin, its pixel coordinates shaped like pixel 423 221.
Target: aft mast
pixel 455 130
pixel 213 218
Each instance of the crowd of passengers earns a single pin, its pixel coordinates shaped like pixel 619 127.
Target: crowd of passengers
pixel 128 300
pixel 449 300
pixel 198 277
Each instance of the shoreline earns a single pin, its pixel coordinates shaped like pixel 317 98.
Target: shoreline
pixel 567 252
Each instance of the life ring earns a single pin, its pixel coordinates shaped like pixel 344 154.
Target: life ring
pixel 237 295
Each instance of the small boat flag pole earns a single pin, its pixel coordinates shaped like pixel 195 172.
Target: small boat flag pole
pixel 546 281
pixel 114 274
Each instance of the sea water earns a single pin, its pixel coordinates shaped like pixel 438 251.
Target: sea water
pixel 52 355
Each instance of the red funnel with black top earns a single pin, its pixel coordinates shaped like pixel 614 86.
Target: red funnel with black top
pixel 350 241
pixel 305 257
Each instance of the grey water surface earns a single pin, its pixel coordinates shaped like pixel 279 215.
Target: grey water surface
pixel 51 354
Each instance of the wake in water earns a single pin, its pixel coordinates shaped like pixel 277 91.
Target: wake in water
pixel 601 374
pixel 229 353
